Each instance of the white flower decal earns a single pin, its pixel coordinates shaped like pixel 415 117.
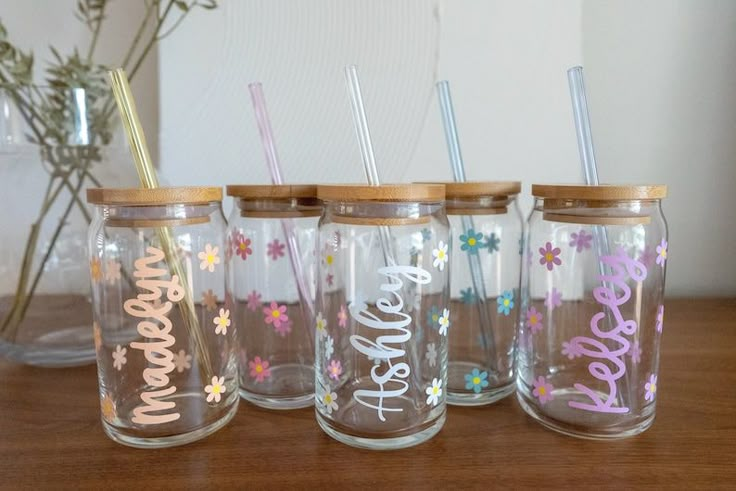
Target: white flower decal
pixel 440 256
pixel 329 400
pixel 182 361
pixel 444 322
pixel 434 392
pixel 216 389
pixel 222 322
pixel 431 355
pixel 209 258
pixel 118 357
pixel 321 325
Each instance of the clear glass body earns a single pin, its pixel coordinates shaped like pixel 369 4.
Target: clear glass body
pixel 163 328
pixel 382 322
pixel 592 315
pixel 482 342
pixel 276 341
pixel 54 143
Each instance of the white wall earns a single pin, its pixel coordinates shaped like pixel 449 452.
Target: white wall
pixel 661 78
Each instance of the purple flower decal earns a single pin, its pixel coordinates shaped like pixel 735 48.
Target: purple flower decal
pixel 581 240
pixel 662 253
pixel 635 352
pixel 543 390
pixel 553 299
pixel 571 350
pixel 549 256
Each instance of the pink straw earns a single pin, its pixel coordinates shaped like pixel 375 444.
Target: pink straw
pixel 274 167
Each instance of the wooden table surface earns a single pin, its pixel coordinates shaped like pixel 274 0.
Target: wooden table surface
pixel 50 436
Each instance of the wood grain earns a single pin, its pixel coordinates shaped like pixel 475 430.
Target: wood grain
pixel 50 436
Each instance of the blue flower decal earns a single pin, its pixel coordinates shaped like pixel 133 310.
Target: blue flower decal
pixel 492 243
pixel 468 296
pixel 426 234
pixel 505 302
pixel 433 317
pixel 471 241
pixel 476 380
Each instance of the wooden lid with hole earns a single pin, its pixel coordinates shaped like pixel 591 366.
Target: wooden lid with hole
pixel 604 192
pixel 384 192
pixel 153 197
pixel 272 191
pixel 472 189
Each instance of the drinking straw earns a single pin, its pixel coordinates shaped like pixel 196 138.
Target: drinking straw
pixel 274 167
pixel 458 172
pixel 366 150
pixel 147 175
pixel 587 159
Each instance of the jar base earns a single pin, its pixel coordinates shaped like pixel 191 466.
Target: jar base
pixel 458 395
pixel 278 403
pixel 41 353
pixel 382 443
pixel 293 382
pixel 580 431
pixel 169 441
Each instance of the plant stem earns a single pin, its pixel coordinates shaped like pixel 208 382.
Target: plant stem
pixel 96 33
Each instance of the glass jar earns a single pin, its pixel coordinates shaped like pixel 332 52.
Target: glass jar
pixel 486 226
pixel 383 314
pixel 54 143
pixel 272 234
pixel 592 308
pixel 163 328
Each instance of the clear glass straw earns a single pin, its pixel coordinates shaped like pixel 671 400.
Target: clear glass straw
pixel 590 168
pixel 274 167
pixel 366 150
pixel 458 171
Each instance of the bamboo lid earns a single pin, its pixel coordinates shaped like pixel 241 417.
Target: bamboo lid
pixel 472 189
pixel 155 196
pixel 272 191
pixel 606 192
pixel 384 192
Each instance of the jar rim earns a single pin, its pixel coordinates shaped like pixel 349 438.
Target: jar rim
pixel 610 192
pixel 474 189
pixel 189 195
pixel 271 191
pixel 384 192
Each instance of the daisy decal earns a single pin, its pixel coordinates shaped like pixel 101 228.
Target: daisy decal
pixel 434 392
pixel 440 256
pixel 209 258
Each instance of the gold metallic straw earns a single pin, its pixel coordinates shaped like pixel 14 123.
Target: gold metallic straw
pixel 147 175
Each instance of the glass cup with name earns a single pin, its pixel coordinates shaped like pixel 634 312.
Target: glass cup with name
pixel 486 227
pixel 381 353
pixel 272 233
pixel 592 308
pixel 163 329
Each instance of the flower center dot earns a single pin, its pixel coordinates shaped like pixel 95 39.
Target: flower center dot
pixel 471 241
pixel 259 368
pixel 549 257
pixel 476 380
pixel 276 314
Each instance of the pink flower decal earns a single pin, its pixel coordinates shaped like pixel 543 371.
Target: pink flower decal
pixel 254 301
pixel 650 388
pixel 330 278
pixel 334 369
pixel 283 328
pixel 553 299
pixel 660 318
pixel 534 320
pixel 580 240
pixel 275 314
pixel 571 350
pixel 635 352
pixel 662 253
pixel 543 390
pixel 342 317
pixel 242 246
pixel 259 369
pixel 275 249
pixel 549 256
